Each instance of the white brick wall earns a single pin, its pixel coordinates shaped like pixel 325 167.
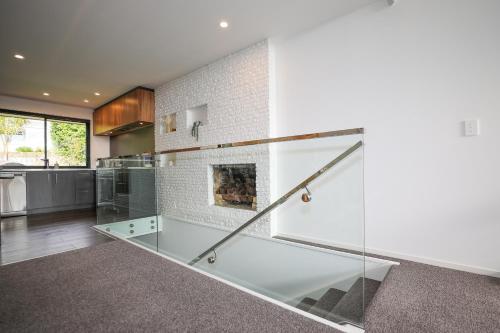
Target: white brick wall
pixel 236 90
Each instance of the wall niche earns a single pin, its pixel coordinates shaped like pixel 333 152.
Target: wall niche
pixel 169 123
pixel 198 113
pixel 234 185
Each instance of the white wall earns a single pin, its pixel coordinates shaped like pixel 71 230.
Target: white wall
pixel 335 214
pixel 410 74
pixel 99 145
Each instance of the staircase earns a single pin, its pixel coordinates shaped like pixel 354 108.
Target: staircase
pixel 340 306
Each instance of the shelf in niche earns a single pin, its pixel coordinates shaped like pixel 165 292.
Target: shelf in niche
pixel 198 113
pixel 168 160
pixel 169 123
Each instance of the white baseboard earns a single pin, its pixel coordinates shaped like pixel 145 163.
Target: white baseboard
pixel 436 262
pixel 402 256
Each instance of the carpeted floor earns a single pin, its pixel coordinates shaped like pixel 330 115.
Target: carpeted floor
pixel 118 287
pixel 428 299
pixel 422 298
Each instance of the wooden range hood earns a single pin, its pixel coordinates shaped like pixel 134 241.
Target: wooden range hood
pixel 128 112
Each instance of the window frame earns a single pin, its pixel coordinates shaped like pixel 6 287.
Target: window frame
pixel 45 118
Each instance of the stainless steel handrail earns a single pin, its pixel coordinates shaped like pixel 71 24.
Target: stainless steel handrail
pixel 280 201
pixel 352 131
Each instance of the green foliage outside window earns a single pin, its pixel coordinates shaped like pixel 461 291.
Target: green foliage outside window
pixel 24 149
pixel 69 140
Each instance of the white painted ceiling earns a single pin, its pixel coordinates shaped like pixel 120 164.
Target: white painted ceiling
pixel 73 48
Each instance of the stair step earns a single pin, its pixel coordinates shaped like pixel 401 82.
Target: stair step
pixel 306 304
pixel 327 302
pixel 350 307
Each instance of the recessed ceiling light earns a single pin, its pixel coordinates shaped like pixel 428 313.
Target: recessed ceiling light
pixel 46 94
pixel 223 24
pixel 85 100
pixel 18 56
pixel 97 93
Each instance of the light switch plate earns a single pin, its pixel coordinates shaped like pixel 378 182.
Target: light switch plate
pixel 471 127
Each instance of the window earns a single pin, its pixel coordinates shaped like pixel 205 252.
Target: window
pixel 66 143
pixel 21 140
pixel 27 139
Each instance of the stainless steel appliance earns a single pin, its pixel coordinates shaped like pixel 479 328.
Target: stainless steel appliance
pixel 12 193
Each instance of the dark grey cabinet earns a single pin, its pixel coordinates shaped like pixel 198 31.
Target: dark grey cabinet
pixel 85 187
pixel 64 188
pixel 142 198
pixel 50 191
pixel 38 190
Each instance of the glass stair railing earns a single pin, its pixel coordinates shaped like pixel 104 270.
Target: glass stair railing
pixel 306 198
pixel 253 214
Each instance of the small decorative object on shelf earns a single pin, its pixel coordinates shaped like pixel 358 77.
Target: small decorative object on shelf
pixel 194 130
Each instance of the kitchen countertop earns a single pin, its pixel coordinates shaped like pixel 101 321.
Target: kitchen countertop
pixel 124 168
pixel 30 170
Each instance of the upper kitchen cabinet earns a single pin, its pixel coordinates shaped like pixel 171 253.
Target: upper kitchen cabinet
pixel 132 110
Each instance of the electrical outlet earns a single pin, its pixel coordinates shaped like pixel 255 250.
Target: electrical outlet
pixel 471 127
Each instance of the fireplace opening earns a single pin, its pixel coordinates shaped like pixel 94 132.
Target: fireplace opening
pixel 234 186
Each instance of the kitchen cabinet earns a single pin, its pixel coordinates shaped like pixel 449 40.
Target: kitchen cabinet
pixel 142 198
pixel 38 190
pixel 85 187
pixel 101 124
pixel 128 112
pixel 51 191
pixel 64 188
